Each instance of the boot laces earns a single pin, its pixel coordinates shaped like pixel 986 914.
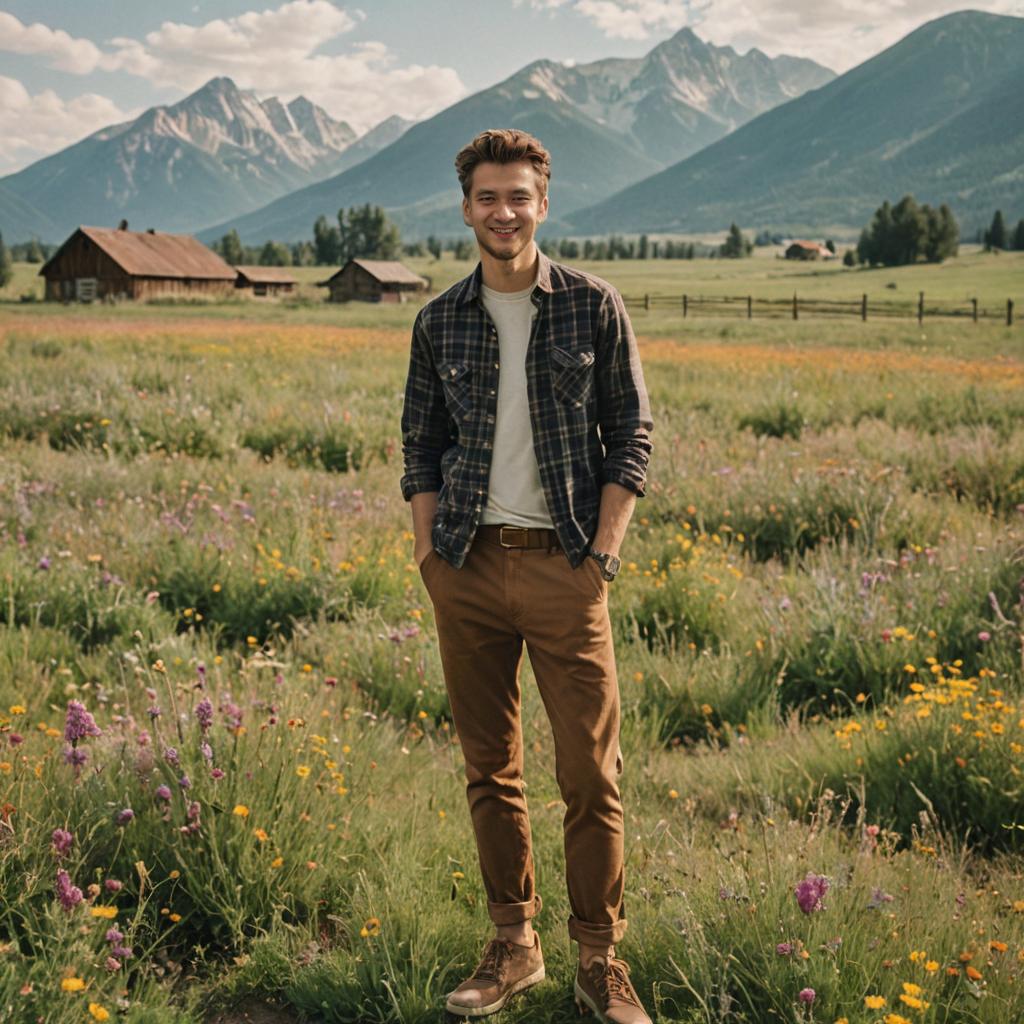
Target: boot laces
pixel 612 980
pixel 492 964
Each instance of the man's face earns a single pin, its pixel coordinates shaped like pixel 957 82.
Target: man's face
pixel 504 207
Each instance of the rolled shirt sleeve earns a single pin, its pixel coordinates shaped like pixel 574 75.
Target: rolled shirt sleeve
pixel 425 426
pixel 624 410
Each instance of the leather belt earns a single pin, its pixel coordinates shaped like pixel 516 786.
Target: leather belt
pixel 519 536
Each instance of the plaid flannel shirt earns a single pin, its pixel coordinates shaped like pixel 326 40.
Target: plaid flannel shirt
pixel 589 408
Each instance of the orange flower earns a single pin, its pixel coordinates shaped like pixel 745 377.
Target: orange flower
pixel 973 973
pixel 999 947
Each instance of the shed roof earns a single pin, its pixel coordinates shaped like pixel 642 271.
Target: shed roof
pixel 810 246
pixel 265 275
pixel 155 254
pixel 385 271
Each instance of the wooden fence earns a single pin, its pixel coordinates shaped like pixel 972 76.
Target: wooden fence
pixel 748 306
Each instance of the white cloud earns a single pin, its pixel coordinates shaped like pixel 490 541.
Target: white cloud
pixel 273 51
pixel 840 34
pixel 34 125
pixel 64 52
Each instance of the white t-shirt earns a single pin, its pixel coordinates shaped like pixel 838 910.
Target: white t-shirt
pixel 515 495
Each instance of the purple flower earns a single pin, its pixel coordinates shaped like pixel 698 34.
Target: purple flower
pixel 113 885
pixel 810 892
pixel 204 713
pixel 122 951
pixel 112 965
pixel 76 756
pixel 194 810
pixel 163 792
pixel 206 750
pixel 984 636
pixel 43 563
pixel 878 897
pixel 69 895
pixel 78 723
pixel 232 712
pixel 171 756
pixel 217 773
pixel 14 738
pixel 185 782
pixel 154 711
pixel 114 936
pixel 124 816
pixel 62 840
pixel 784 948
pixel 807 995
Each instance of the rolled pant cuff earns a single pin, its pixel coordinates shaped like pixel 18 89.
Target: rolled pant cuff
pixel 514 913
pixel 596 934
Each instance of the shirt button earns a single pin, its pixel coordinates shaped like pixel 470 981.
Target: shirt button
pixel 490 419
pixel 495 365
pixel 493 391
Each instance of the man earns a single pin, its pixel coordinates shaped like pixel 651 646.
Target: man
pixel 526 441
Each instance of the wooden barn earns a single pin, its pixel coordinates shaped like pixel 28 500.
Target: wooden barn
pixel 374 281
pixel 265 281
pixel 801 250
pixel 115 263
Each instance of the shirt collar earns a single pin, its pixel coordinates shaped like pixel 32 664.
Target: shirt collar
pixel 471 284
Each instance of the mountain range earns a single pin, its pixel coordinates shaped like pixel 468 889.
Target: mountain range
pixel 607 124
pixel 220 151
pixel 940 114
pixel 687 138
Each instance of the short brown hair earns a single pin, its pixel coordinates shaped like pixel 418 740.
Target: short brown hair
pixel 503 146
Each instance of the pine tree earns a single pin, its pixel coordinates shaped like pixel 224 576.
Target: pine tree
pixel 6 265
pixel 995 237
pixel 735 244
pixel 1018 236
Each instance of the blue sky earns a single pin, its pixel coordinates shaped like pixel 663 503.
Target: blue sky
pixel 69 68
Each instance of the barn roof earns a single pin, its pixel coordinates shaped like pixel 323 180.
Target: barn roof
pixel 155 254
pixel 810 246
pixel 385 271
pixel 265 275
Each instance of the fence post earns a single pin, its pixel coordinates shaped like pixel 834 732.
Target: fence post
pixel 974 309
pixel 647 301
pixel 864 306
pixel 1009 312
pixel 750 307
pixel 795 316
pixel 685 305
pixel 920 308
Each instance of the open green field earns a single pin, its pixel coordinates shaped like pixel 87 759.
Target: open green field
pixel 819 643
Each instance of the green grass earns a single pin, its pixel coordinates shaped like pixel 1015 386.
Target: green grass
pixel 831 538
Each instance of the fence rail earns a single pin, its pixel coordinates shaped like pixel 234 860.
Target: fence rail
pixel 749 307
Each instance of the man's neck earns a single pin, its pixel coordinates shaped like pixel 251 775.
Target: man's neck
pixel 511 275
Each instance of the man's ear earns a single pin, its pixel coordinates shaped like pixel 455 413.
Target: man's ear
pixel 465 213
pixel 543 214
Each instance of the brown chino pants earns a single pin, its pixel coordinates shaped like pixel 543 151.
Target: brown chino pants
pixel 484 611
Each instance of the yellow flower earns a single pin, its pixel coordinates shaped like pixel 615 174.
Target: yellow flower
pixel 241 810
pixel 911 989
pixel 72 984
pixel 914 1003
pixel 277 862
pixel 372 927
pixel 108 912
pixel 673 795
pixel 1018 906
pixel 97 1012
pixel 17 709
pixel 932 966
pixel 874 1002
pixel 261 835
pixel 895 1018
pixel 175 918
pixel 302 771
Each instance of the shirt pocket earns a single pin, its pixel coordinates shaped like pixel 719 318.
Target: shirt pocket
pixel 572 375
pixel 457 382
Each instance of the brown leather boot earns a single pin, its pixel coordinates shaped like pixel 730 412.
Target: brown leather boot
pixel 604 987
pixel 504 969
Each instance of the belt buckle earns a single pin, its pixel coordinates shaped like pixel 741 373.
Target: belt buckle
pixel 519 529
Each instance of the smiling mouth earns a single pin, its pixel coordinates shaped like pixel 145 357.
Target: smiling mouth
pixel 504 232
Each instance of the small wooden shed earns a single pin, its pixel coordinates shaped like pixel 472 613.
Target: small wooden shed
pixel 115 263
pixel 267 281
pixel 802 250
pixel 374 281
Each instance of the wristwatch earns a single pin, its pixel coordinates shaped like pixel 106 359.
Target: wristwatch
pixel 610 565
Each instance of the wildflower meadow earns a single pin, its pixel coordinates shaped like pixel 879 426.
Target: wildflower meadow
pixel 228 777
